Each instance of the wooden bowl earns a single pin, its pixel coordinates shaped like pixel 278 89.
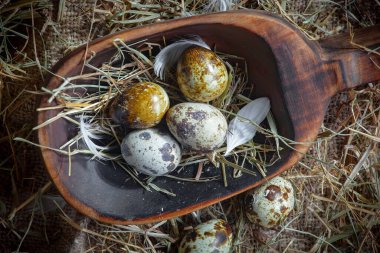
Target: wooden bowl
pixel 299 76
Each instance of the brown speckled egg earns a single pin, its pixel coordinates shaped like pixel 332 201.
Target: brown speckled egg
pixel 201 74
pixel 197 126
pixel 271 203
pixel 140 106
pixel 151 151
pixel 211 236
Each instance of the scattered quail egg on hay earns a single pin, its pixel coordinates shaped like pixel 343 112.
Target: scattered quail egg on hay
pixel 271 203
pixel 211 236
pixel 151 151
pixel 201 74
pixel 198 127
pixel 141 105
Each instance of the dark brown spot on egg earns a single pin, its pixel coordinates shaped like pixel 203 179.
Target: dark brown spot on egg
pixel 287 189
pixel 285 196
pixel 176 109
pixel 185 129
pixel 283 209
pixel 272 192
pixel 220 239
pixel 271 210
pixel 208 233
pixel 271 223
pixel 165 151
pixel 144 136
pixel 171 167
pixel 219 225
pixel 196 115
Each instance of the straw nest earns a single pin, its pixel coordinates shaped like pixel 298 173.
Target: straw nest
pixel 337 182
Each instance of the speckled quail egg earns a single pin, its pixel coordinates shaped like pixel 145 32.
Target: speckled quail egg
pixel 201 74
pixel 198 127
pixel 151 151
pixel 271 203
pixel 211 236
pixel 141 105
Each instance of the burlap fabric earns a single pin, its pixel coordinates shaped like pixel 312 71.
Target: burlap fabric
pixel 47 232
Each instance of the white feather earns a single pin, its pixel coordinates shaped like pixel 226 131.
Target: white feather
pixel 89 133
pixel 187 14
pixel 169 56
pixel 219 5
pixel 241 129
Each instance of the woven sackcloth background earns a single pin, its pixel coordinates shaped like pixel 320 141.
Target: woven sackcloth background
pixel 39 226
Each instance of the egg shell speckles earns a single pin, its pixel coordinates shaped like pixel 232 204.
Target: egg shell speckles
pixel 271 203
pixel 142 105
pixel 198 127
pixel 151 151
pixel 212 236
pixel 201 74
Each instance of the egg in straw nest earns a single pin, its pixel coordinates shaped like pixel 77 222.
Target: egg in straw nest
pixel 153 114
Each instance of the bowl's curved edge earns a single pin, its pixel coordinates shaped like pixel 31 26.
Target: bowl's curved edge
pixel 77 56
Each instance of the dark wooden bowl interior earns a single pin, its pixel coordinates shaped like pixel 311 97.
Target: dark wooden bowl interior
pixel 106 192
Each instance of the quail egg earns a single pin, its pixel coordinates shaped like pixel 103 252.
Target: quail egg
pixel 271 203
pixel 198 127
pixel 151 151
pixel 212 236
pixel 201 74
pixel 142 105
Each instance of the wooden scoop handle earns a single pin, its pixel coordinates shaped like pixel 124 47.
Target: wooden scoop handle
pixel 353 57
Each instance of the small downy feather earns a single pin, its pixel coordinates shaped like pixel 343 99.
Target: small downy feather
pixel 170 55
pixel 211 6
pixel 219 5
pixel 185 14
pixel 240 129
pixel 89 133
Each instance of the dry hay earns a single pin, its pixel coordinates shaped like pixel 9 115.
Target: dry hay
pixel 338 182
